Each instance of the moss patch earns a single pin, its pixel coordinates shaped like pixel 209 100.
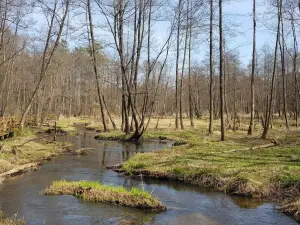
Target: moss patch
pixel 97 192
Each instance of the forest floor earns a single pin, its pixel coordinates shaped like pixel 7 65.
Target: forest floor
pixel 232 166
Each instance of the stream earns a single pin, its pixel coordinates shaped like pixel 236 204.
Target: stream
pixel 186 204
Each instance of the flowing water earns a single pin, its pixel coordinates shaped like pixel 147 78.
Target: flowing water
pixel 186 204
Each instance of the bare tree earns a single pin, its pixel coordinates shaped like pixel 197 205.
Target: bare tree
pixel 269 111
pixel 93 55
pixel 221 71
pixel 211 68
pixel 47 56
pixel 250 129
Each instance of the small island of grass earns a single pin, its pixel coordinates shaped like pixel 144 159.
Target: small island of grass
pixel 96 192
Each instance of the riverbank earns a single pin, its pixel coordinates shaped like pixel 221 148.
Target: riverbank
pixel 25 152
pixel 242 165
pixel 4 220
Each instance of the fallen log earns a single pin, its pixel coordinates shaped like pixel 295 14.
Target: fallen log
pixel 19 170
pixel 272 144
pixel 82 151
pixel 114 167
pixel 35 139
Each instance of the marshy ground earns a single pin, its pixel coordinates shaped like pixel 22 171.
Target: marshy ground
pixel 264 173
pixel 272 172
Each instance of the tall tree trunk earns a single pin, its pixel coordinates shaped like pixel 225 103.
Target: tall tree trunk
pixel 283 71
pixel 177 61
pixel 46 62
pixel 191 108
pixel 221 71
pixel 183 67
pixel 295 56
pixel 270 104
pixel 211 69
pixel 95 66
pixel 250 129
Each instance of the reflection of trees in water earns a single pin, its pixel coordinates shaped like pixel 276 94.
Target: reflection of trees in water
pixel 247 202
pixel 123 152
pixel 83 139
pixel 191 218
pixel 137 219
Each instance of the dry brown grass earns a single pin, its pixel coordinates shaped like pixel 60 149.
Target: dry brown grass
pixel 292 209
pixel 13 153
pixel 10 221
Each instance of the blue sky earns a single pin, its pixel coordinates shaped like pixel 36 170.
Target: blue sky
pixel 238 12
pixel 243 11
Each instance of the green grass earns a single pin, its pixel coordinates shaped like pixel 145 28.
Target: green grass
pixel 67 124
pixel 97 192
pixel 203 160
pixel 33 151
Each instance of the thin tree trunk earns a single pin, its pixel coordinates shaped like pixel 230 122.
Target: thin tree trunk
pixel 191 108
pixel 95 66
pixel 221 71
pixel 282 51
pixel 270 105
pixel 109 114
pixel 177 61
pixel 182 70
pixel 295 68
pixel 250 129
pixel 45 62
pixel 211 69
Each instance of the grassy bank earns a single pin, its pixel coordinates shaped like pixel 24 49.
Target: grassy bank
pixel 97 192
pixel 67 124
pixel 19 150
pixel 272 172
pixel 4 220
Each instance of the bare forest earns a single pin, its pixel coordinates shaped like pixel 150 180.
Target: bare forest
pixel 104 59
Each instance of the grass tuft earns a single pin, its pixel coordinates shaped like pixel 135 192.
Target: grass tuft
pixel 96 192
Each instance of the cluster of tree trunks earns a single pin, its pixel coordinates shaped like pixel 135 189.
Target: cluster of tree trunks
pixel 135 77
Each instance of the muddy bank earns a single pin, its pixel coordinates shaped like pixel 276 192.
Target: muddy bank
pixel 23 154
pixel 19 170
